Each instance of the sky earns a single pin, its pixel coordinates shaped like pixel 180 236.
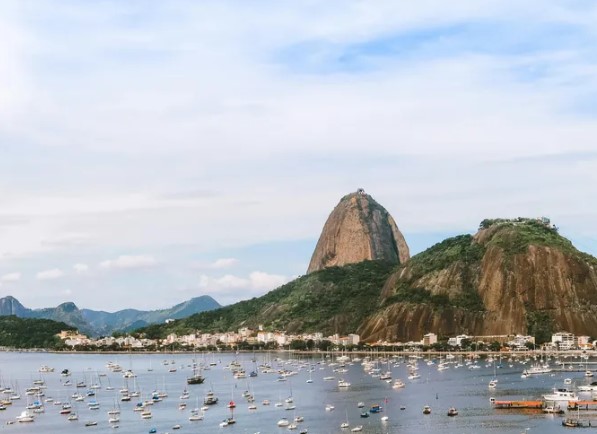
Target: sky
pixel 155 151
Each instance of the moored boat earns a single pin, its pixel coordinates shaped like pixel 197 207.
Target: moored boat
pixel 561 394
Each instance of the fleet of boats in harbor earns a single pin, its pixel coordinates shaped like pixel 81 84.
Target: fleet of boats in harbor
pixel 130 399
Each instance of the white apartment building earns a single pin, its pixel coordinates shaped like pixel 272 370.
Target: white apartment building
pixel 455 342
pixel 564 340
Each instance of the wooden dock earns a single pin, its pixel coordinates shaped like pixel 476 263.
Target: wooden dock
pixel 516 405
pixel 582 405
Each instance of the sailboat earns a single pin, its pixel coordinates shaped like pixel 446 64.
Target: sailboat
pixel 493 382
pixel 109 386
pixel 195 415
pixel 310 380
pixel 115 409
pixel 289 400
pixel 231 420
pixel 196 378
pixel 135 391
pixel 232 404
pixel 345 424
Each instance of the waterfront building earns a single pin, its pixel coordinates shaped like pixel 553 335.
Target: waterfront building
pixel 564 341
pixel 429 339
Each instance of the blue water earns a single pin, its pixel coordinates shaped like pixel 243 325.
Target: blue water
pixel 461 387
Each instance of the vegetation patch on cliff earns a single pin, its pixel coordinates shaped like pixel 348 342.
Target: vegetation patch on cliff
pixel 516 235
pixel 443 254
pixel 461 250
pixel 539 325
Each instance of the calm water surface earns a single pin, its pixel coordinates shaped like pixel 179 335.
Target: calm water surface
pixel 461 387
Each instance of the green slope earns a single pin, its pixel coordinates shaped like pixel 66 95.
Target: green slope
pixel 30 333
pixel 334 300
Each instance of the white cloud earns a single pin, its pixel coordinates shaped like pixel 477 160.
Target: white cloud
pixel 261 280
pixel 54 273
pixel 129 262
pixel 232 282
pixel 11 277
pixel 81 268
pixel 230 288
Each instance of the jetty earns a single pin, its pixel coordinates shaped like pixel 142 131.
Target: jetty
pixel 537 405
pixel 582 405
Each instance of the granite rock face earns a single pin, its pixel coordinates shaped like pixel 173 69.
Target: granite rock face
pixel 520 281
pixel 358 229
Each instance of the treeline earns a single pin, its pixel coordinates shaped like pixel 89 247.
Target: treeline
pixel 31 333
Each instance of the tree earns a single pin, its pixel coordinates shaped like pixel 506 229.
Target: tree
pixel 298 344
pixel 325 345
pixel 495 346
pixel 465 343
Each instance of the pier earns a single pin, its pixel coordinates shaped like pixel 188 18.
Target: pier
pixel 537 405
pixel 582 405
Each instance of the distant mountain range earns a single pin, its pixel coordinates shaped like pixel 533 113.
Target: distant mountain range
pixel 98 323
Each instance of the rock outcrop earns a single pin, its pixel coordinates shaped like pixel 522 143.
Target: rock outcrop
pixel 512 277
pixel 358 229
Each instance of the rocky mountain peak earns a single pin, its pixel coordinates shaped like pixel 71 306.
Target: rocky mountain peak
pixel 358 229
pixel 10 306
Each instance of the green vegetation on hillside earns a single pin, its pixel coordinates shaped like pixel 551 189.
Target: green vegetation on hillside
pixel 459 250
pixel 539 325
pixel 334 300
pixel 515 236
pixel 443 254
pixel 30 333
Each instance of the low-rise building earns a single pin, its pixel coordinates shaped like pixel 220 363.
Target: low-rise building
pixel 457 341
pixel 429 339
pixel 564 341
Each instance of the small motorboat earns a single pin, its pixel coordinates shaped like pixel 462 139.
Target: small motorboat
pixel 91 423
pixel 452 411
pixel 283 422
pixel 398 384
pixel 572 423
pixel 553 409
pixel 358 428
pixel 426 410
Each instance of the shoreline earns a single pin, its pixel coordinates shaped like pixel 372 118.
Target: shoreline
pixel 376 353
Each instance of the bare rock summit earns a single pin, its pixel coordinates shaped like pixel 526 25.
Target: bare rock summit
pixel 357 230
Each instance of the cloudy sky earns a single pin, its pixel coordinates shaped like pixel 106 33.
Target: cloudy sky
pixel 155 151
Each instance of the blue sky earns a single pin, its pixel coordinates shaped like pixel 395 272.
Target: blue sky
pixel 155 151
